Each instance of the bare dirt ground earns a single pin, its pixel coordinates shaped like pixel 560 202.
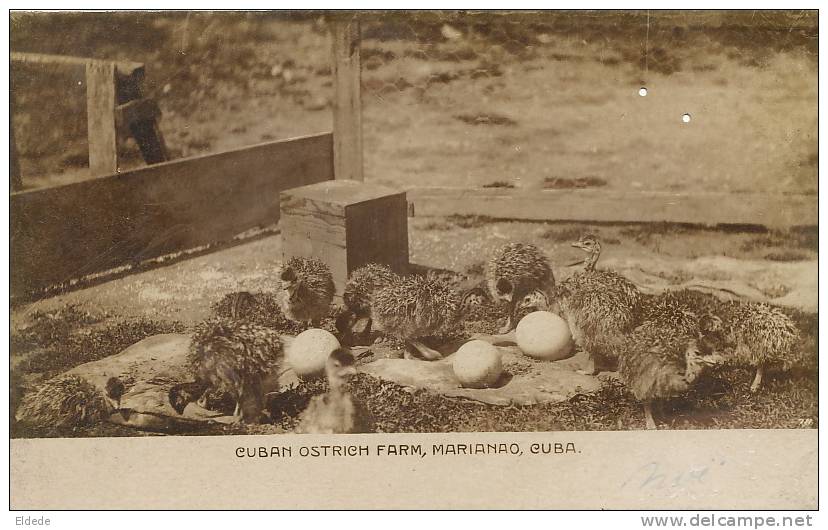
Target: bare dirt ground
pixel 524 99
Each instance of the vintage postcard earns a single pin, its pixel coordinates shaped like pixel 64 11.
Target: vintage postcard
pixel 414 259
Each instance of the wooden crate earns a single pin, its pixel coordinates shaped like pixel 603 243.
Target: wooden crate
pixel 346 224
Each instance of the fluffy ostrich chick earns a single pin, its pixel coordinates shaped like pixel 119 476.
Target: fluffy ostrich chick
pixel 306 290
pixel 515 270
pixel 359 292
pixel 757 333
pixel 600 306
pixel 69 401
pixel 660 361
pixel 332 412
pixel 414 307
pixel 231 356
pixel 760 334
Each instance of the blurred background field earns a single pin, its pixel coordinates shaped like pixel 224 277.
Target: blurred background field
pixel 457 99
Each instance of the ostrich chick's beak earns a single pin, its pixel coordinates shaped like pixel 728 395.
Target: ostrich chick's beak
pixel 712 360
pixel 348 371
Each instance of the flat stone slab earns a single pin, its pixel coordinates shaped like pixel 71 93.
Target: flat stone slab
pixel 789 284
pixel 149 369
pixel 525 381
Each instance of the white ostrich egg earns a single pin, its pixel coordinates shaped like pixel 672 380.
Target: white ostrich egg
pixel 309 351
pixel 545 336
pixel 477 364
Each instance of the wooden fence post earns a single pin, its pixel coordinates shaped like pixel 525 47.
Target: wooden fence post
pixel 347 107
pixel 16 179
pixel 100 111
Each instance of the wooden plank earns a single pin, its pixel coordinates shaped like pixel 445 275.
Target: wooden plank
pixel 69 231
pixel 347 105
pixel 612 206
pixel 124 68
pixel 100 111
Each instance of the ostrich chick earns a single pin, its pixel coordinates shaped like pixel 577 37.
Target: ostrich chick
pixel 359 291
pixel 599 306
pixel 660 361
pixel 306 290
pixel 332 412
pixel 66 401
pixel 414 307
pixel 760 334
pixel 535 300
pixel 515 270
pixel 231 356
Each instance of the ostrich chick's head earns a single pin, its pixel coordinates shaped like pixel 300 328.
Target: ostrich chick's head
pixel 589 244
pixel 185 393
pixel 114 390
pixel 291 283
pixel 702 352
pixel 505 290
pixel 339 367
pixel 711 336
pixel 473 298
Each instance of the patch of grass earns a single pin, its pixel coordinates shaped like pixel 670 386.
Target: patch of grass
pixel 499 184
pixel 439 226
pixel 800 239
pixel 52 327
pixel 565 183
pixel 563 235
pixel 786 255
pixel 485 119
pixel 570 234
pixel 469 221
pixel 720 401
pixel 87 345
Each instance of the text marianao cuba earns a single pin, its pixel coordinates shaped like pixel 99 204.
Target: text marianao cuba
pixel 417 450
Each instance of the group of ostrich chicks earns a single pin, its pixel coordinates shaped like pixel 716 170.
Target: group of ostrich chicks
pixel 659 344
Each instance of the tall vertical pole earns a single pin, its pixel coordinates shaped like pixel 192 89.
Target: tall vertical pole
pixel 347 107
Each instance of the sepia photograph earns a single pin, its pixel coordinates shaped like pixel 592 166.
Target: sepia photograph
pixel 250 227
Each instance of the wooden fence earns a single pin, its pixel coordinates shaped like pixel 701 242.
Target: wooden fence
pixel 114 102
pixel 69 231
pixel 62 233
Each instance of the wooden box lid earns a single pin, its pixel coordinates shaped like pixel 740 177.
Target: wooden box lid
pixel 334 196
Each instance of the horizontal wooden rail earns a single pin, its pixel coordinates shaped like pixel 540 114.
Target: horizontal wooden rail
pixel 70 231
pixel 709 209
pixel 124 68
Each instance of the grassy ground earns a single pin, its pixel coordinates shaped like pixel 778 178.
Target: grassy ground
pixel 522 100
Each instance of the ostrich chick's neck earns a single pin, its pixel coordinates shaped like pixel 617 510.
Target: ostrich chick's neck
pixel 591 260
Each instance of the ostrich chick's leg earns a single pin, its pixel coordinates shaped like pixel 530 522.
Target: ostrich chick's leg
pixel 590 369
pixel 508 326
pixel 648 415
pixel 757 380
pixel 237 413
pixel 427 353
pixel 251 401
